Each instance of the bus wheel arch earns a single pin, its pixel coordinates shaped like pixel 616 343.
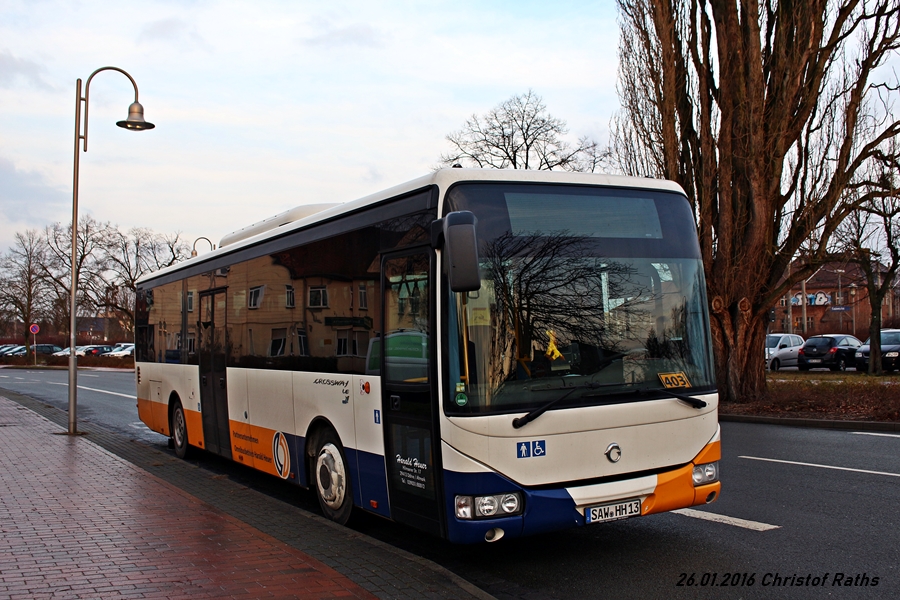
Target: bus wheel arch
pixel 178 427
pixel 329 474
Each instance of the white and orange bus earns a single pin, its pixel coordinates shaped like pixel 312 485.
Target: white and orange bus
pixel 475 353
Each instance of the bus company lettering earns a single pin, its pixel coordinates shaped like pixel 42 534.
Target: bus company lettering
pixel 254 455
pixel 244 437
pixel 331 382
pixel 411 462
pixel 412 472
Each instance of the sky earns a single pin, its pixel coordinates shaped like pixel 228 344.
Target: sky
pixel 266 105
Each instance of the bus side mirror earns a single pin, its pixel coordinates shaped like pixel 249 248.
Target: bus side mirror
pixel 461 251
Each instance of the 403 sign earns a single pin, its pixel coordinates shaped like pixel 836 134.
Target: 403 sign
pixel 674 380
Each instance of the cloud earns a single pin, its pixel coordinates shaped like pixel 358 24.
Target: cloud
pixel 12 67
pixel 169 31
pixel 330 36
pixel 26 197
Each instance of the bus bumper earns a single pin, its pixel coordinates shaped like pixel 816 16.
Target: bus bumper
pixel 548 510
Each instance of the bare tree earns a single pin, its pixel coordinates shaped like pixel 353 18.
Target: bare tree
pixel 520 134
pixel 768 114
pixel 22 291
pixel 129 256
pixel 870 237
pixel 91 267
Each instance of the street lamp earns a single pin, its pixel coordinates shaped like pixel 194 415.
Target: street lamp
pixel 194 248
pixel 136 122
pixel 853 302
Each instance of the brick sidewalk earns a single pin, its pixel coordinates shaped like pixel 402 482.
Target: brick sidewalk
pixel 79 522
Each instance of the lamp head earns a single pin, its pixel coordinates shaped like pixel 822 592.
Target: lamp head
pixel 135 119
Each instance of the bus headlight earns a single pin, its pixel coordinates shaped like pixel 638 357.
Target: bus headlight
pixel 707 473
pixel 891 354
pixel 484 507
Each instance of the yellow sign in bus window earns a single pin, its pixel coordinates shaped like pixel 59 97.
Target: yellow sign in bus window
pixel 674 380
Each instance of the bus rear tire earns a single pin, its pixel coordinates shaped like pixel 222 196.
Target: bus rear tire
pixel 179 431
pixel 332 479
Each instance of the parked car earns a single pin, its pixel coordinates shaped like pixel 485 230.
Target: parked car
pixel 121 351
pixel 835 351
pixel 6 347
pixel 782 349
pixel 12 351
pixel 65 351
pixel 95 350
pixel 890 351
pixel 37 349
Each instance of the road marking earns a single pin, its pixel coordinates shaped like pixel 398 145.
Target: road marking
pixel 803 464
pixel 706 516
pixel 81 387
pixel 878 434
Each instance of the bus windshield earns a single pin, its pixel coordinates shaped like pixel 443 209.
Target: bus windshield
pixel 593 293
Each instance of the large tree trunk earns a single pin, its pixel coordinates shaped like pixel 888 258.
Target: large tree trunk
pixel 764 112
pixel 739 341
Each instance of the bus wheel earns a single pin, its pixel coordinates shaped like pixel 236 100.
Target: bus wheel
pixel 332 479
pixel 179 431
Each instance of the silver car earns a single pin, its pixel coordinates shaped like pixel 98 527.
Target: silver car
pixel 782 349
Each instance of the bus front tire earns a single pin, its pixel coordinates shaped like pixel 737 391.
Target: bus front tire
pixel 179 431
pixel 332 479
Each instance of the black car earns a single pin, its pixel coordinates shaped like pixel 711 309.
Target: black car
pixel 832 351
pixel 890 351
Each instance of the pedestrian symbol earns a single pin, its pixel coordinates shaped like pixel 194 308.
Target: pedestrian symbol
pixel 524 450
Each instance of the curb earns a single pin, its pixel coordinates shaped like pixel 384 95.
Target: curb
pixel 815 423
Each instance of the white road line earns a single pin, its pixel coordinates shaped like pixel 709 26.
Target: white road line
pixel 803 464
pixel 699 514
pixel 878 434
pixel 81 387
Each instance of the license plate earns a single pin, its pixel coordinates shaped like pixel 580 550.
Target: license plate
pixel 613 512
pixel 815 360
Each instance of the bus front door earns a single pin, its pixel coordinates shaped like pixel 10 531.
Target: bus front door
pixel 213 355
pixel 412 450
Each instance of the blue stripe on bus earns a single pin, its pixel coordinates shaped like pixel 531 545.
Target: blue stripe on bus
pixel 366 471
pixel 370 477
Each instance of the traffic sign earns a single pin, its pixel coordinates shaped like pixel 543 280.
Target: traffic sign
pixel 34 329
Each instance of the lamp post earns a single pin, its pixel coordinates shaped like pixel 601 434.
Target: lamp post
pixel 853 302
pixel 136 122
pixel 841 313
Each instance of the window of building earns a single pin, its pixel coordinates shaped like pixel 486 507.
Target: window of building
pixel 289 296
pixel 360 345
pixel 302 343
pixel 343 339
pixel 254 298
pixel 363 297
pixel 318 297
pixel 190 301
pixel 279 342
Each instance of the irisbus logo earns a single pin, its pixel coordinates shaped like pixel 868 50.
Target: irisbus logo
pixel 281 455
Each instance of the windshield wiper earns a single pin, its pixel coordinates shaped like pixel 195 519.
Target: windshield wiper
pixel 694 402
pixel 522 421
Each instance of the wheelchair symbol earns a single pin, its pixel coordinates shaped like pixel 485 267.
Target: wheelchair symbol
pixel 538 448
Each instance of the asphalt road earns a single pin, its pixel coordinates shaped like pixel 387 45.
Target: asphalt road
pixel 803 513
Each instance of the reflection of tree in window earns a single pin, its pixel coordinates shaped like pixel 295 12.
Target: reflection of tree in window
pixel 552 286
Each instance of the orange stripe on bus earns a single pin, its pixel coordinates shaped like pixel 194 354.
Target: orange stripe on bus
pixel 675 489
